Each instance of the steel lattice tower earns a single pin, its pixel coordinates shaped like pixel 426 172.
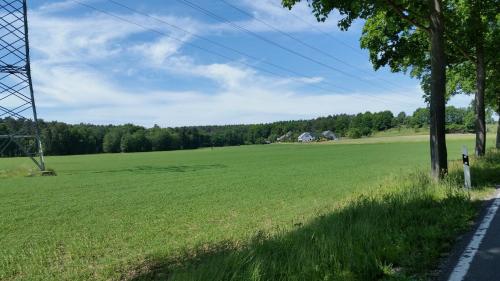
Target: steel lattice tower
pixel 19 131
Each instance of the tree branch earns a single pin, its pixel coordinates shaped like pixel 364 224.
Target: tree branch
pixel 462 51
pixel 401 12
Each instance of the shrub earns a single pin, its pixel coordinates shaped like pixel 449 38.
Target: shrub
pixel 354 133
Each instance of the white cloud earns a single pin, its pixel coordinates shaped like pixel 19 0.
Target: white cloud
pixel 299 19
pixel 243 98
pixel 58 6
pixel 159 51
pixel 67 40
pixel 72 86
pixel 311 80
pixel 96 36
pixel 258 105
pixel 230 75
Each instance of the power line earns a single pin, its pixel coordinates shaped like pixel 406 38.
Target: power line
pixel 219 54
pixel 312 47
pixel 228 47
pixel 356 50
pixel 224 20
pixel 170 36
pixel 271 42
pixel 216 43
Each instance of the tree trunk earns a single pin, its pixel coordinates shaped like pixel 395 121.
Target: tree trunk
pixel 439 161
pixel 480 83
pixel 480 110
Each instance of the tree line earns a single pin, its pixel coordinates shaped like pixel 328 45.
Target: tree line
pixel 64 139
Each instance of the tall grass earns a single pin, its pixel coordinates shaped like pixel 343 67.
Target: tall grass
pixel 395 232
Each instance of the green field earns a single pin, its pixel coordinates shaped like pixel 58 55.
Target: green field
pixel 103 216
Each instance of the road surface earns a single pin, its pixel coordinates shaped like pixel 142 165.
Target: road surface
pixel 478 256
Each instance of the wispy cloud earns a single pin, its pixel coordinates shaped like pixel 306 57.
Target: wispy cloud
pixel 69 40
pixel 243 97
pixel 159 51
pixel 57 6
pixel 299 19
pixel 73 57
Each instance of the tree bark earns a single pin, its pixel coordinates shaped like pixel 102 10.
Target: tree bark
pixel 480 80
pixel 480 108
pixel 439 161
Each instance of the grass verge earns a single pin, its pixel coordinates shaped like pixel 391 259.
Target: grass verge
pixel 397 231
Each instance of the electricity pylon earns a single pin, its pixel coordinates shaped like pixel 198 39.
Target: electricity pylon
pixel 19 131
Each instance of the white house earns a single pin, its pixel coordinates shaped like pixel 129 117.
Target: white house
pixel 329 135
pixel 306 137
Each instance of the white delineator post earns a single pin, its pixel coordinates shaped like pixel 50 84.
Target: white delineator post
pixel 465 157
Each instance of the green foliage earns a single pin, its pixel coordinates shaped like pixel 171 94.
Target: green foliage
pixel 470 121
pixel 354 133
pixel 396 35
pixel 162 139
pixel 472 23
pixel 135 142
pixel 395 32
pixel 401 119
pixel 111 142
pixel 458 120
pixel 420 118
pixel 394 42
pixel 383 120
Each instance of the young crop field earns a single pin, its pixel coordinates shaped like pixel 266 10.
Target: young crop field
pixel 104 216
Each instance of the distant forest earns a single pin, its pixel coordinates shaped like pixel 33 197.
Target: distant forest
pixel 65 139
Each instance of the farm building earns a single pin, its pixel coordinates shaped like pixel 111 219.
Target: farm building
pixel 329 135
pixel 306 137
pixel 285 137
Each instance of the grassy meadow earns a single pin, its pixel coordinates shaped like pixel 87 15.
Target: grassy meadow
pixel 143 216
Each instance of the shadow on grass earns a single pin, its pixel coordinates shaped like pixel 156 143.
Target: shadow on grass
pixel 164 169
pixel 148 169
pixel 400 234
pixel 397 233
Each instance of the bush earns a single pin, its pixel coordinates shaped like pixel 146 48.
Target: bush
pixel 354 133
pixel 456 129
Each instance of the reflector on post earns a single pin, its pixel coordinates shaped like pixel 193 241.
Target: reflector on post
pixel 465 158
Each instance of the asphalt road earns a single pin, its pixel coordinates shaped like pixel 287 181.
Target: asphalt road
pixel 486 262
pixel 477 258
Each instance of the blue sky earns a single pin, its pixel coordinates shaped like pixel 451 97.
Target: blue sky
pixel 93 67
